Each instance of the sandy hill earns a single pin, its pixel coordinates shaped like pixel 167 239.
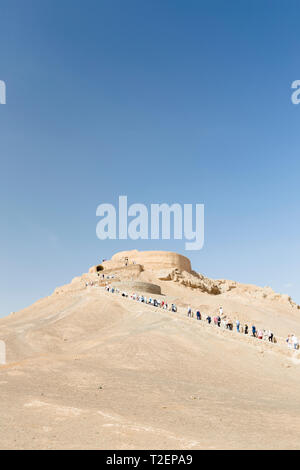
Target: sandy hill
pixel 90 369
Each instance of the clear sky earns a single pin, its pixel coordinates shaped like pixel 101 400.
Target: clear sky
pixel 162 101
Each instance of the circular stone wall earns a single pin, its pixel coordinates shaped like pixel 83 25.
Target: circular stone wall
pixel 135 286
pixel 154 260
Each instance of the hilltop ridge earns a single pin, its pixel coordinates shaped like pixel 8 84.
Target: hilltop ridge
pixel 169 266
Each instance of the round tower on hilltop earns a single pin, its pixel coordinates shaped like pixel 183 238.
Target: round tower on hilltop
pixel 150 260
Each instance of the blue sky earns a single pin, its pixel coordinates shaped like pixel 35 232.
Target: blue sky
pixel 163 101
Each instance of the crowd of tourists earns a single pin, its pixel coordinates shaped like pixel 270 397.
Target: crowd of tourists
pixel 143 299
pixel 222 321
pixel 219 320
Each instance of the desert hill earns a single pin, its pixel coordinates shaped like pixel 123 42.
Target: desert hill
pixel 87 368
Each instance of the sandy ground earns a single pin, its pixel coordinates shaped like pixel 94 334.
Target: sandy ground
pixel 89 369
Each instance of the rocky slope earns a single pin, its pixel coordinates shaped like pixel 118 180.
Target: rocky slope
pixel 90 369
